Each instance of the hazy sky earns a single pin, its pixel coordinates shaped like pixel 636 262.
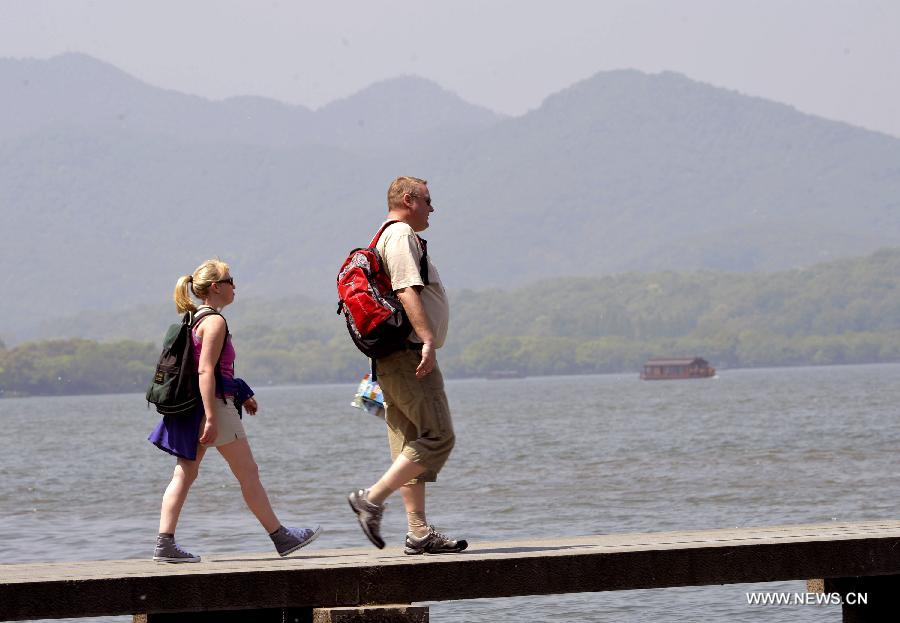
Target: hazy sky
pixel 837 59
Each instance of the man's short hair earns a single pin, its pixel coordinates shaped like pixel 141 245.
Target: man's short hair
pixel 400 186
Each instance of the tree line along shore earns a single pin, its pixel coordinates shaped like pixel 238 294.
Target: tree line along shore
pixel 842 312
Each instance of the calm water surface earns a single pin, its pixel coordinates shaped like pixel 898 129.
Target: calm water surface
pixel 535 458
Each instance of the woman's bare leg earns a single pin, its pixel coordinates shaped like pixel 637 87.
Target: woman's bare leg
pixel 176 493
pixel 244 468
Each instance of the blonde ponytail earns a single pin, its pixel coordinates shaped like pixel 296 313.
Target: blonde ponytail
pixel 182 295
pixel 198 284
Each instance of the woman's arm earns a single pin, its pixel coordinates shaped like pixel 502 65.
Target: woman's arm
pixel 212 336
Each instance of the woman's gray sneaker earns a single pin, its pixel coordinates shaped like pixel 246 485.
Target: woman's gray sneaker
pixel 369 516
pixel 167 551
pixel 433 543
pixel 289 540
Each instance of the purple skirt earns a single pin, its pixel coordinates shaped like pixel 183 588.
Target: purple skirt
pixel 179 435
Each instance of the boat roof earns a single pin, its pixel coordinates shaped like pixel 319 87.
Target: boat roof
pixel 676 361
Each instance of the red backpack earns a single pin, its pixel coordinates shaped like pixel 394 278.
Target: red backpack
pixel 375 317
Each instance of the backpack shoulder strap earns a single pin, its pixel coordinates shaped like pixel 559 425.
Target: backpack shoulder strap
pixel 202 312
pixel 381 231
pixel 423 263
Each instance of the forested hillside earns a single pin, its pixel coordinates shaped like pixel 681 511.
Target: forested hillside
pixel 847 311
pixel 110 188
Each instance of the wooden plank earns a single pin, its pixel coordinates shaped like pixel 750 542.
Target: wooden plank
pixel 350 577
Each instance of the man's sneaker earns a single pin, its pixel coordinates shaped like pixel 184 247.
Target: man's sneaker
pixel 369 516
pixel 167 551
pixel 433 543
pixel 289 540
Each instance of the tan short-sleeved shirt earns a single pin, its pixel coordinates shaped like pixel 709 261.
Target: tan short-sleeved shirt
pixel 401 253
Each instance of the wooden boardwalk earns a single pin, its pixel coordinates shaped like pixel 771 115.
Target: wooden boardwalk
pixel 352 577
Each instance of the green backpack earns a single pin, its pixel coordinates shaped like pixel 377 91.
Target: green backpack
pixel 175 388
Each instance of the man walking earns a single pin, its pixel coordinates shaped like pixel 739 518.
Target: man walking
pixel 420 431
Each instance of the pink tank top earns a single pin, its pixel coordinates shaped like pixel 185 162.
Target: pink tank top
pixel 226 359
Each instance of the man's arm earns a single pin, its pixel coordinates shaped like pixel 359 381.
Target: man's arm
pixel 412 303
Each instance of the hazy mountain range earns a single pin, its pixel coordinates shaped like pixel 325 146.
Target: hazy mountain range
pixel 111 188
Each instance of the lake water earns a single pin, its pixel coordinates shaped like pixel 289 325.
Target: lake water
pixel 541 457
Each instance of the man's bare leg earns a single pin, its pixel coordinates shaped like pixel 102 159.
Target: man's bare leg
pixel 401 471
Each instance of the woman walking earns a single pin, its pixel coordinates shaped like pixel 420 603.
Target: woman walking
pixel 218 423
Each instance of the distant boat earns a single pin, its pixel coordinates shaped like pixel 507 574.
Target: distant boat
pixel 494 375
pixel 673 369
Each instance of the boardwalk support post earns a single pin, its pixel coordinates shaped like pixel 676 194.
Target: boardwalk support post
pixel 867 599
pixel 372 614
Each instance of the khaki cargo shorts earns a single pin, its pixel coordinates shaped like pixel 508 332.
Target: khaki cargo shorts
pixel 228 423
pixel 417 413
